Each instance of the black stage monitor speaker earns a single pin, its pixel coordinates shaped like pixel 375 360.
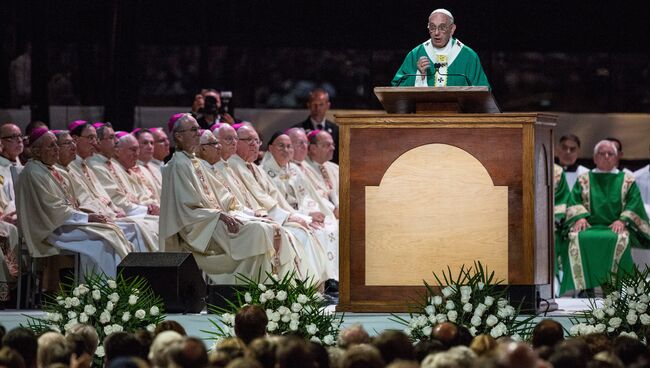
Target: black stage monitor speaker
pixel 174 276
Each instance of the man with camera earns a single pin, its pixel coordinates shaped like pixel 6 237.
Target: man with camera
pixel 213 110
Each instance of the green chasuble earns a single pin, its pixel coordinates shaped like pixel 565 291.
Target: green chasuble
pixel 562 193
pixel 460 60
pixel 592 255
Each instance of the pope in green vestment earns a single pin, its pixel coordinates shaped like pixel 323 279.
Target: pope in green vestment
pixel 605 217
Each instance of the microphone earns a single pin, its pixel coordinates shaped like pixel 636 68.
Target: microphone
pixel 403 78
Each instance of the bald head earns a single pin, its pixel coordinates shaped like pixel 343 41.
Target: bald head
pixel 446 333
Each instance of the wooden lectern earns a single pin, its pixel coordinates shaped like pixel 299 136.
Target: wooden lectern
pixel 435 186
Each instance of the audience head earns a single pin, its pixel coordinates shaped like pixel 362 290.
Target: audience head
pixel 353 335
pixel 185 132
pixel 299 142
pixel 161 345
pixel 294 352
pixel 519 355
pixel 209 149
pixel 483 344
pixel 425 347
pixel 11 358
pixel 280 148
pixel 321 146
pixel 50 346
pixel 319 353
pixel 250 323
pixel 568 150
pixel 362 356
pixel 243 363
pixel 146 142
pixel 263 350
pixel 191 353
pixel 85 138
pixel 393 344
pixel 120 344
pixel 318 104
pixel 106 139
pixel 446 333
pixel 169 325
pixel 572 353
pixel 127 150
pixel 441 27
pixel 605 155
pixel 226 351
pixel 67 147
pixel 458 356
pixel 23 341
pixel 12 141
pixel 248 146
pixel 89 335
pixel 547 333
pixel 161 144
pixel 630 350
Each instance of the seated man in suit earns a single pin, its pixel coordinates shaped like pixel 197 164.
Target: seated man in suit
pixel 605 218
pixel 318 105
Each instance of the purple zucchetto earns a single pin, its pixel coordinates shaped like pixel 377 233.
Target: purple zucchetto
pixel 75 124
pixel 37 134
pixel 121 134
pixel 173 120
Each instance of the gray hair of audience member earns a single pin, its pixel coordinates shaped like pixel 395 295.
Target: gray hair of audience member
pixel 456 357
pixel 100 130
pixel 89 335
pixel 126 138
pixel 263 350
pixel 244 362
pixel 353 335
pixel 49 344
pixel 362 356
pixel 393 345
pixel 60 133
pixel 483 344
pixel 605 142
pixel 336 356
pixel 158 354
pixel 609 358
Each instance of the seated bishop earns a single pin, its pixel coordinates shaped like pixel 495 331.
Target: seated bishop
pixel 306 245
pixel 52 217
pixel 199 215
pixel 141 231
pixel 148 172
pixel 605 217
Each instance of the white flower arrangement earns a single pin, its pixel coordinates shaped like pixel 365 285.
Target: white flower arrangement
pixel 623 311
pixel 291 305
pixel 471 299
pixel 107 305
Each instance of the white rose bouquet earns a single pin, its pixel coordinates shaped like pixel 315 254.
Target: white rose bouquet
pixel 472 299
pixel 623 311
pixel 106 304
pixel 292 306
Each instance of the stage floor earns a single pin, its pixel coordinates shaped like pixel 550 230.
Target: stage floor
pixel 374 323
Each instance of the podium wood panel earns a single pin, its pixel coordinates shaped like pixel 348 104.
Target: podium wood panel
pixel 507 146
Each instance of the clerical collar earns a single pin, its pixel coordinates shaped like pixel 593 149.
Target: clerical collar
pixel 571 168
pixel 612 171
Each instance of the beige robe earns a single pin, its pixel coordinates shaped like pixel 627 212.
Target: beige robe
pixel 50 219
pixel 93 198
pixel 325 178
pixel 304 197
pixel 8 256
pixel 7 182
pixel 310 251
pixel 148 179
pixel 191 204
pixel 125 190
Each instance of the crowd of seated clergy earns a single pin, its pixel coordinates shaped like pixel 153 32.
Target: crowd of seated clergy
pixel 104 194
pixel 601 217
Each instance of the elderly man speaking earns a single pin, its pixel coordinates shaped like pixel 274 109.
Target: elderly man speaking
pixel 441 60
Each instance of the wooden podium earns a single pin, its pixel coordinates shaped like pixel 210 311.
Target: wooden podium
pixel 426 190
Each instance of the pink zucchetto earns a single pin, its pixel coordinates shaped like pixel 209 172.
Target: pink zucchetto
pixel 121 134
pixel 75 124
pixel 238 125
pixel 313 134
pixel 37 134
pixel 135 131
pixel 215 126
pixel 98 125
pixel 173 120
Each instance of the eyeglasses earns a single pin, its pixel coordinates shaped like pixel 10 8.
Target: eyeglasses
pixel 443 28
pixel 230 139
pixel 607 154
pixel 91 137
pixel 192 129
pixel 212 144
pixel 251 140
pixel 66 143
pixel 15 137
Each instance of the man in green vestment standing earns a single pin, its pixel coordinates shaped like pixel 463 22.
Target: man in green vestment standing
pixel 605 218
pixel 441 60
